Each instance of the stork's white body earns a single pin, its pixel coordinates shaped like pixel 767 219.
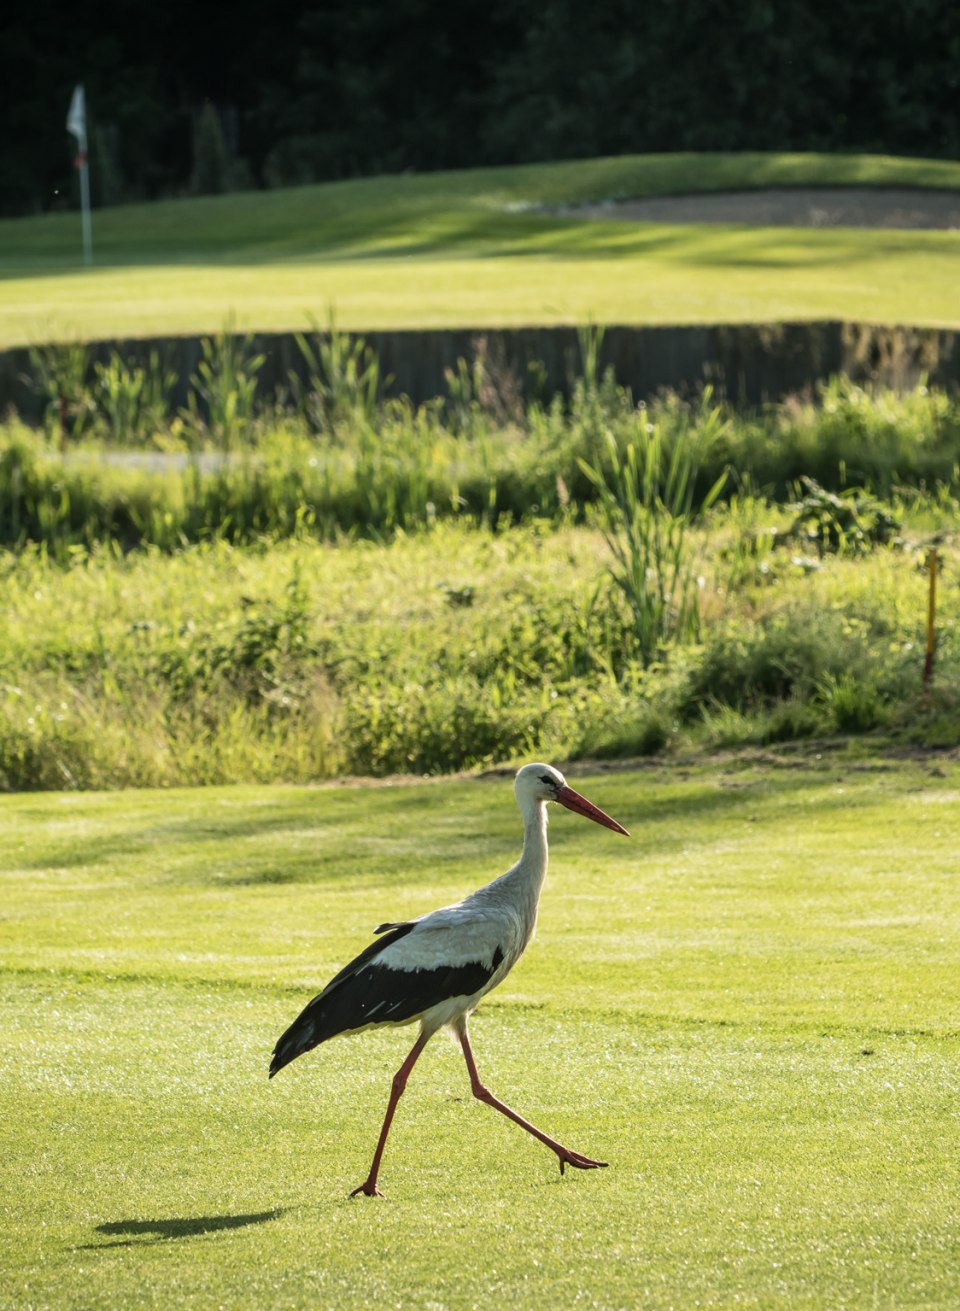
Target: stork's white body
pixel 436 969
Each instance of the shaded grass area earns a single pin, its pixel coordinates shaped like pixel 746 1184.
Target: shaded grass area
pixel 475 249
pixel 427 213
pixel 757 1030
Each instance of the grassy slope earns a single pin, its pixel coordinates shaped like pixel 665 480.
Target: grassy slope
pixel 91 657
pixel 464 249
pixel 747 1008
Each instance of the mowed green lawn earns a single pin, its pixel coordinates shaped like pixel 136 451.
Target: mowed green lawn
pixel 749 1008
pixel 477 248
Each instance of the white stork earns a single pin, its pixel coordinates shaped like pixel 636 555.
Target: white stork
pixel 435 969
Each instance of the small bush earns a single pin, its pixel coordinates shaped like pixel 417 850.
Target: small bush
pixel 647 508
pixel 643 730
pixel 854 521
pixel 431 729
pixel 749 666
pixel 222 403
pixel 790 720
pixel 852 704
pixel 343 386
pixel 60 377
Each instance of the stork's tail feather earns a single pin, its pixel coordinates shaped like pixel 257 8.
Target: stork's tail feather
pixel 320 1019
pixel 303 1034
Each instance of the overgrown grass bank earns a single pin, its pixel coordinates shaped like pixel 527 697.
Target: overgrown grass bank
pixel 451 648
pixel 358 586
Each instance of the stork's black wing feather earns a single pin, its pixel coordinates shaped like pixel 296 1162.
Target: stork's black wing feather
pixel 315 1023
pixel 366 992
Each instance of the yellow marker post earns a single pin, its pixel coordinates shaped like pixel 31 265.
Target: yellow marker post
pixel 931 614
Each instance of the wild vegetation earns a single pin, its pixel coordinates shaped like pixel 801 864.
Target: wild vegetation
pixel 114 462
pixel 349 585
pixel 454 647
pixel 359 586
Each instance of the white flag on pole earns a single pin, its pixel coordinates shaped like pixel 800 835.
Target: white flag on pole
pixel 77 126
pixel 77 119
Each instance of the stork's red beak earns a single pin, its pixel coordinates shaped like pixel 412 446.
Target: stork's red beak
pixel 574 801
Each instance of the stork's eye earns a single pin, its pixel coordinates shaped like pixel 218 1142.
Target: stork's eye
pixel 550 782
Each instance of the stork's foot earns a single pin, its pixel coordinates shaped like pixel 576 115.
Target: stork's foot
pixel 368 1188
pixel 579 1162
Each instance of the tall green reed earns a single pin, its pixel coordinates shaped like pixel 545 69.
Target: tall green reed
pixel 647 504
pixel 222 401
pixel 343 384
pixel 133 400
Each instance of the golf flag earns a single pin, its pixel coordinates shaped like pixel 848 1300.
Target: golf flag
pixel 77 120
pixel 77 126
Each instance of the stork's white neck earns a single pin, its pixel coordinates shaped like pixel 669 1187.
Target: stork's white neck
pixel 530 871
pixel 534 853
pixel 520 888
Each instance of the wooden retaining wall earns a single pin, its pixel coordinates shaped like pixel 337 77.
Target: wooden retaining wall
pixel 750 363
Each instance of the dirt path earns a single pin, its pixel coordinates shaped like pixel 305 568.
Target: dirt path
pixel 855 207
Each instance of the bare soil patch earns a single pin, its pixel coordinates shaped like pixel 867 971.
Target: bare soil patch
pixel 814 207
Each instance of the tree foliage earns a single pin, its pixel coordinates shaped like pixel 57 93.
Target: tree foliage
pixel 348 88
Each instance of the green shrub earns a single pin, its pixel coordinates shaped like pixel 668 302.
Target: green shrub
pixel 852 704
pixel 60 377
pixel 640 730
pixel 790 720
pixel 132 400
pixel 753 665
pixel 436 728
pixel 854 521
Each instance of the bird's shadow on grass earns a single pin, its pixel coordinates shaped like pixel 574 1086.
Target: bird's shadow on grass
pixel 142 1233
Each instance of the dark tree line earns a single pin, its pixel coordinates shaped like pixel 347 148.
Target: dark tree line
pixel 184 96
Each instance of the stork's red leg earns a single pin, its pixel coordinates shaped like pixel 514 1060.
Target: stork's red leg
pixel 483 1094
pixel 369 1185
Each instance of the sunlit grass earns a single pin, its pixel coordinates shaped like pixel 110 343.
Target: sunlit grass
pixel 747 1008
pixel 472 249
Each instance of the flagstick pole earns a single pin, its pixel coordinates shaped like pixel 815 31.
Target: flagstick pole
pixel 77 127
pixel 931 615
pixel 85 208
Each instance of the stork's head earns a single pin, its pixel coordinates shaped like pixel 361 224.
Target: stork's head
pixel 544 783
